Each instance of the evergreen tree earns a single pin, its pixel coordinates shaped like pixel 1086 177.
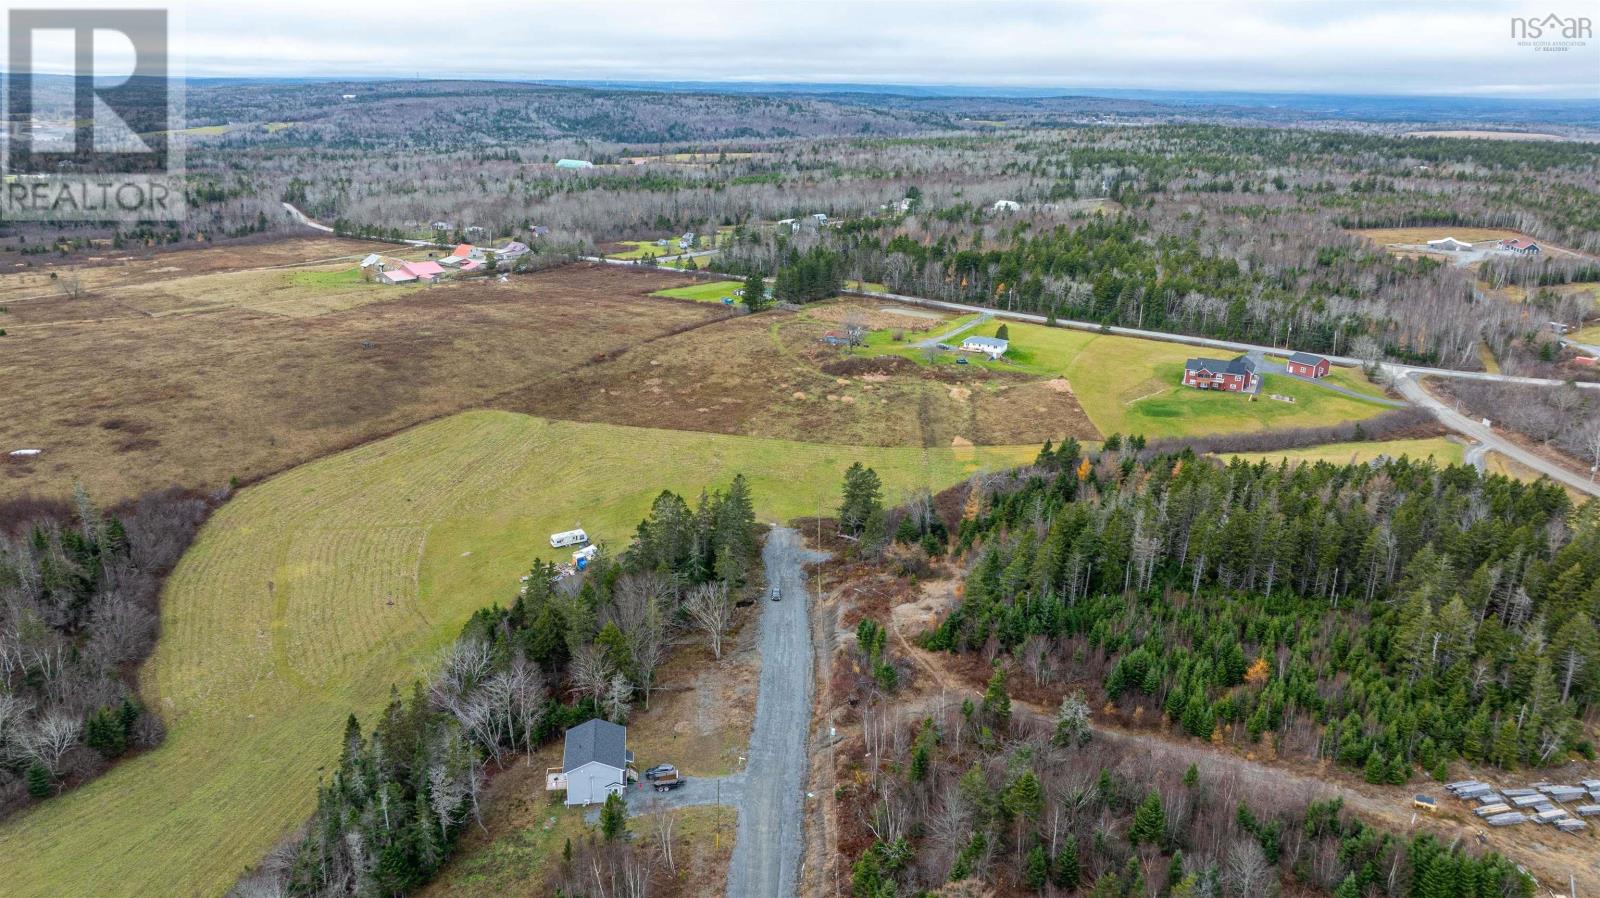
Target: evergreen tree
pixel 1036 871
pixel 1149 822
pixel 755 293
pixel 613 817
pixel 40 783
pixel 1064 870
pixel 996 701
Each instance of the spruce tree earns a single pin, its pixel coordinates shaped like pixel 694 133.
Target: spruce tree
pixel 1064 870
pixel 996 701
pixel 40 783
pixel 1149 822
pixel 613 817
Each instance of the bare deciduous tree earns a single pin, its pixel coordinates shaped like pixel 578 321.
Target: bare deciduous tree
pixel 711 608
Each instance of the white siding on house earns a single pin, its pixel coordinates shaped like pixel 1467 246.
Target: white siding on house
pixel 591 783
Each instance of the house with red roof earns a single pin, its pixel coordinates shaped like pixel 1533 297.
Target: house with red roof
pixel 1520 247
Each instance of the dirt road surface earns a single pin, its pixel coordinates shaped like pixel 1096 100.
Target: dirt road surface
pixel 766 853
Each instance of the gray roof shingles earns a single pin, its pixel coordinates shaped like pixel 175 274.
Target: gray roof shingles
pixel 1240 365
pixel 596 740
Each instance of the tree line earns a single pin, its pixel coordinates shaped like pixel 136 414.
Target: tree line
pixel 569 648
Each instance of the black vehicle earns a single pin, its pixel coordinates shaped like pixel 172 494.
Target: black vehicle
pixel 659 771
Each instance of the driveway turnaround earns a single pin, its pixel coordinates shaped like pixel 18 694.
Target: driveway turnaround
pixel 767 850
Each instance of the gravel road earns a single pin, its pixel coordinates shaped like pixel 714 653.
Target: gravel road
pixel 767 850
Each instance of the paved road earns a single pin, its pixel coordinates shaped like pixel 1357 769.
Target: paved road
pixel 949 335
pixel 1490 440
pixel 1269 367
pixel 766 854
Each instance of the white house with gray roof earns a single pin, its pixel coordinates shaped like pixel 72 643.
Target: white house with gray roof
pixel 595 763
pixel 993 347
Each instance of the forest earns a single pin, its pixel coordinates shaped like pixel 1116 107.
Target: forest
pixel 566 650
pixel 79 589
pixel 1392 616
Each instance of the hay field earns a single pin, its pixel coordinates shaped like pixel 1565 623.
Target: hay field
pixel 240 388
pixel 309 595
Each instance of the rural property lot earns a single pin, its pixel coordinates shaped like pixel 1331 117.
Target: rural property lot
pixel 132 402
pixel 306 597
pixel 769 375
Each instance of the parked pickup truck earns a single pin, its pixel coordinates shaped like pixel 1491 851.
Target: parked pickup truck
pixel 666 782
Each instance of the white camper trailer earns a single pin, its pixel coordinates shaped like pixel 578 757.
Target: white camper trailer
pixel 568 538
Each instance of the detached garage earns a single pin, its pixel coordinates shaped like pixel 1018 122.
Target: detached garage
pixel 1304 364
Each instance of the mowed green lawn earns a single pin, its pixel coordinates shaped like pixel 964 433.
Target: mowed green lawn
pixel 1128 385
pixel 306 597
pixel 709 291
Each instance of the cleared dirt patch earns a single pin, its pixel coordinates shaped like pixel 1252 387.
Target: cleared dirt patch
pixel 876 316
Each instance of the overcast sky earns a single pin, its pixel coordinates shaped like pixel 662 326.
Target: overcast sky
pixel 1458 47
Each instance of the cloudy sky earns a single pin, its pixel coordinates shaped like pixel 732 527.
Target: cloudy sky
pixel 1458 47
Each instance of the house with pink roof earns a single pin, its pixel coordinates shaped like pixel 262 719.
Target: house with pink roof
pixel 406 272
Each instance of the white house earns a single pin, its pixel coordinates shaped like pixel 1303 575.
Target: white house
pixel 1449 244
pixel 1005 206
pixel 993 347
pixel 595 763
pixel 371 260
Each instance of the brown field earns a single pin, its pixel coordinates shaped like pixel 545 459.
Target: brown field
pixel 1490 135
pixel 186 368
pixel 1419 236
pixel 769 375
pixel 126 400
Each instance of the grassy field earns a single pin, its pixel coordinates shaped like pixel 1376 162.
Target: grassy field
pixel 1589 334
pixel 1442 450
pixel 307 596
pixel 1128 385
pixel 709 291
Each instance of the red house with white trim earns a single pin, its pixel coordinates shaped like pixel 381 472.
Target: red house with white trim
pixel 1304 364
pixel 1236 376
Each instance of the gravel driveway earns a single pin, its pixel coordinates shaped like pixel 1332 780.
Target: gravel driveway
pixel 767 850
